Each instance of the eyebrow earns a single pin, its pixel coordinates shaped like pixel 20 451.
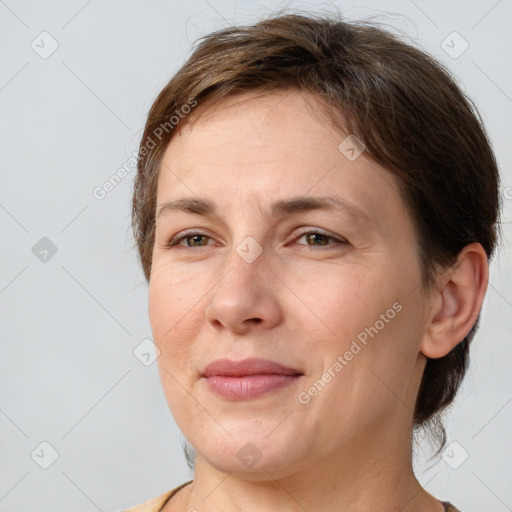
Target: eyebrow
pixel 278 209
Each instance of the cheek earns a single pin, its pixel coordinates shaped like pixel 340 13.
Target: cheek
pixel 370 320
pixel 175 316
pixel 334 304
pixel 175 312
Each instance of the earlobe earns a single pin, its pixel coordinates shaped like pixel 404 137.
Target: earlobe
pixel 457 302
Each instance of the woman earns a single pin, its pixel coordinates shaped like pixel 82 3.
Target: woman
pixel 315 210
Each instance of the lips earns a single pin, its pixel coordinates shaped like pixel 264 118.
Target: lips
pixel 228 368
pixel 250 378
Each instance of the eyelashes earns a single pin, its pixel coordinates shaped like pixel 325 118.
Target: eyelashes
pixel 311 235
pixel 325 238
pixel 193 234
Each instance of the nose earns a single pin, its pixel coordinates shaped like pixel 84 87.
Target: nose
pixel 245 297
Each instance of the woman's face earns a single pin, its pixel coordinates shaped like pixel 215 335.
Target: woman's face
pixel 309 260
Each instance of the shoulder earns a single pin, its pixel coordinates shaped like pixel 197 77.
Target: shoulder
pixel 152 505
pixel 157 503
pixel 448 507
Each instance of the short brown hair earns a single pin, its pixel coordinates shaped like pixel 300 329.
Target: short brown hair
pixel 401 103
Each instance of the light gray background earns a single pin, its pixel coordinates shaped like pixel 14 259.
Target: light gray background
pixel 69 326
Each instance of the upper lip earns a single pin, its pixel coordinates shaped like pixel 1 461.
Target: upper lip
pixel 229 368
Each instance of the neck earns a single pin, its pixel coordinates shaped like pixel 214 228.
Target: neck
pixel 373 473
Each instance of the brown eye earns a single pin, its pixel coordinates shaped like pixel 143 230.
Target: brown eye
pixel 192 240
pixel 319 239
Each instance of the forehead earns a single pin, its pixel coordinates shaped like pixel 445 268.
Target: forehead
pixel 259 117
pixel 271 146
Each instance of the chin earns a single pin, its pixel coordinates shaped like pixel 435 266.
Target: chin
pixel 251 456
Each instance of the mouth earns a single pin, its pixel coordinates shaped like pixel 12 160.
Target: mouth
pixel 250 378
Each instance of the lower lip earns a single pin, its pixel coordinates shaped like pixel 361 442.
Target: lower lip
pixel 251 386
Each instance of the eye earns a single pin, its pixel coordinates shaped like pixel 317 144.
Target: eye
pixel 319 239
pixel 192 239
pixel 197 239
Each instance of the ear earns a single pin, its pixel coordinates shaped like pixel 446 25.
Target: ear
pixel 456 302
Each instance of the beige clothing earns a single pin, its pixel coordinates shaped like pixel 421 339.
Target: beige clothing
pixel 158 503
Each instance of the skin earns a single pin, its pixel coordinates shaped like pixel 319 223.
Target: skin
pixel 301 303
